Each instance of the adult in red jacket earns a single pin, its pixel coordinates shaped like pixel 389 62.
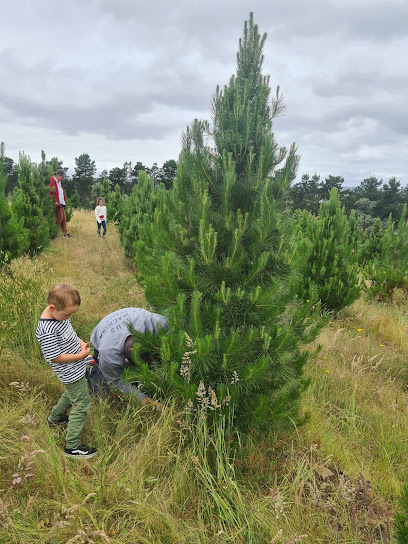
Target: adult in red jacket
pixel 57 193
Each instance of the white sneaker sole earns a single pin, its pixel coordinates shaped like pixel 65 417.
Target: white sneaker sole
pixel 79 456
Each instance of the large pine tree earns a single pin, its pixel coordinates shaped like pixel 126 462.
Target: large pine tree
pixel 216 263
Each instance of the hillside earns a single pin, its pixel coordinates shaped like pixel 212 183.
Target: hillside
pixel 335 479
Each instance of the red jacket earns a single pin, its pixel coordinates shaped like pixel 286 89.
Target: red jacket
pixel 54 192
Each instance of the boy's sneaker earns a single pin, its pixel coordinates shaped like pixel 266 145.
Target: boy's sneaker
pixel 80 451
pixel 54 424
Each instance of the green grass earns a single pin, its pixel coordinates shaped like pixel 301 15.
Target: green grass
pixel 154 480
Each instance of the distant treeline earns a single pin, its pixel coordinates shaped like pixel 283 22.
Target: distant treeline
pixel 373 198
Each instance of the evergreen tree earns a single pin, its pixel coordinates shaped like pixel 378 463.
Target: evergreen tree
pixel 105 190
pixel 305 195
pixel 404 195
pixel 30 201
pixel 168 173
pixel 137 212
pixel 97 184
pixel 69 210
pixel 127 188
pixel 388 269
pixel 154 174
pixel 243 125
pixel 114 205
pixel 392 199
pixel 371 246
pixel 75 200
pixel 13 236
pixel 331 268
pixel 364 210
pixel 117 176
pixel 214 261
pixel 370 188
pixel 10 171
pixel 96 192
pixel 328 184
pixel 134 174
pixel 83 178
pixel 84 167
pixel 356 237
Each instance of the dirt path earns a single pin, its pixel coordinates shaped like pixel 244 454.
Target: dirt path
pixel 97 267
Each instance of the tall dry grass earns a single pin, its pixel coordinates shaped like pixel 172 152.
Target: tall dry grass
pixel 336 479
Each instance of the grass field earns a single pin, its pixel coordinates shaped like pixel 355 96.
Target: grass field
pixel 335 480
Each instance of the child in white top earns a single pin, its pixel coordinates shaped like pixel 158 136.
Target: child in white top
pixel 100 214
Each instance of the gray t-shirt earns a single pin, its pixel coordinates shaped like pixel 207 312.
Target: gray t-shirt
pixel 109 336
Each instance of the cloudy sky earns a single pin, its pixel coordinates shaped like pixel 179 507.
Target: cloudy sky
pixel 121 79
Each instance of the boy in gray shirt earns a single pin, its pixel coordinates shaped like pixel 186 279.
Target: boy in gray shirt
pixel 113 345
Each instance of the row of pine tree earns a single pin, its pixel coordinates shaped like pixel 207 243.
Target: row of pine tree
pixel 28 224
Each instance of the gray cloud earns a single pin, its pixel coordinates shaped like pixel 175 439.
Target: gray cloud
pixel 357 83
pixel 105 107
pixel 124 76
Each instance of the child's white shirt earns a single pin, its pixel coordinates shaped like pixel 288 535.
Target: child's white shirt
pixel 100 213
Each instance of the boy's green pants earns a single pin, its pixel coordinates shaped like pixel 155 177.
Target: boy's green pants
pixel 77 398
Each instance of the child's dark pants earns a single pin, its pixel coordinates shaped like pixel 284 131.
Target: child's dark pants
pixel 103 223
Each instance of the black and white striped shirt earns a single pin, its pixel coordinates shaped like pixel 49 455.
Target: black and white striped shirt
pixel 57 337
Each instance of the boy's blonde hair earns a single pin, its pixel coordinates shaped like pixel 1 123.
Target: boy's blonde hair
pixel 100 198
pixel 62 295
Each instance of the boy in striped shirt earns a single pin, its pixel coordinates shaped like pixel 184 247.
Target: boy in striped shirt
pixel 66 354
